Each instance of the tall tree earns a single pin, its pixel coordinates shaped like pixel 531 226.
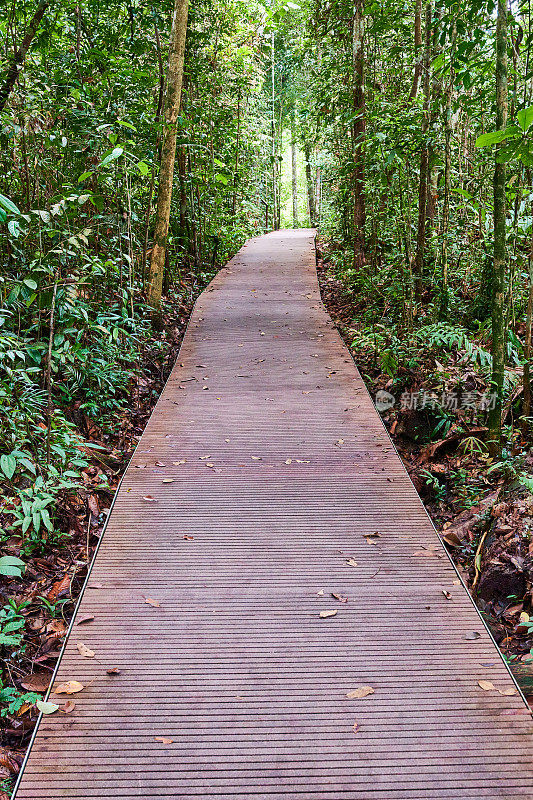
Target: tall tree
pixel 358 134
pixel 499 269
pixel 174 83
pixel 20 54
pixel 424 157
pixel 294 169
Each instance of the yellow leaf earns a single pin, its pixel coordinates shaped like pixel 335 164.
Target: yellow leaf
pixel 331 613
pixel 487 686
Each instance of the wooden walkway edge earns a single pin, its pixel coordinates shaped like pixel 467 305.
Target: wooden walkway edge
pixel 265 492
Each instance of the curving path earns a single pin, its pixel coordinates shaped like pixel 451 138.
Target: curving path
pixel 271 475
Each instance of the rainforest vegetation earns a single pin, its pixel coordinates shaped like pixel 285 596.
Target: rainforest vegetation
pixel 141 145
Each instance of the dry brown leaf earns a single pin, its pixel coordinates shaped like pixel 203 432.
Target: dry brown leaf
pixel 289 461
pixel 149 499
pixel 355 727
pixel 38 682
pixel 70 687
pixel 446 594
pixel 86 618
pixel 113 671
pixel 330 613
pixel 351 561
pixel 163 740
pixel 84 651
pixel 69 706
pixel 508 692
pixel 160 464
pixel 487 686
pixel 360 693
pixel 152 602
pixel 177 463
pixel 167 480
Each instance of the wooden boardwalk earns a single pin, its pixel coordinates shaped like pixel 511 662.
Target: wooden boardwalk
pixel 271 475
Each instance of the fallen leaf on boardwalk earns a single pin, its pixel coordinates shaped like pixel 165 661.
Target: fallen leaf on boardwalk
pixel 208 464
pixel 487 686
pixel 149 499
pixel 113 671
pixel 46 707
pixel 226 440
pixel 339 441
pixel 167 480
pixel 38 682
pixel 446 594
pixel 160 464
pixel 320 593
pixel 352 562
pixel 203 458
pixel 355 727
pixel 70 687
pixel 427 553
pixel 69 706
pixel 300 461
pixel 152 602
pixel 289 461
pixel 472 635
pixel 177 463
pixel 140 466
pixel 85 651
pixel 256 458
pixel 360 693
pixel 163 740
pixel 325 614
pixel 86 618
pixel 508 692
pixel 339 597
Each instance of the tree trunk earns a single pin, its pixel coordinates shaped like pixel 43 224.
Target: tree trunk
pixel 418 47
pixel 168 154
pixel 358 135
pixel 18 59
pixel 500 250
pixel 310 186
pixel 424 161
pixel 295 223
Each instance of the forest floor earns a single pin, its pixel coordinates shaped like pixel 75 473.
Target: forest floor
pixel 46 596
pixel 484 516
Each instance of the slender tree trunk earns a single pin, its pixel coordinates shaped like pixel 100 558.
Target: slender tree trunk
pixel 294 165
pixel 168 154
pixel 418 48
pixel 526 408
pixel 358 135
pixel 17 61
pixel 500 250
pixel 443 304
pixel 310 186
pixel 424 160
pixel 274 149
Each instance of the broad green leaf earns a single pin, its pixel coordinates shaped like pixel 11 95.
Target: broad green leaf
pixel 6 203
pixel 486 139
pixel 8 465
pixel 115 153
pixel 143 167
pixel 525 118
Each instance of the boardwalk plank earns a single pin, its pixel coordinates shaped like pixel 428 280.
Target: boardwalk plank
pixel 287 467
